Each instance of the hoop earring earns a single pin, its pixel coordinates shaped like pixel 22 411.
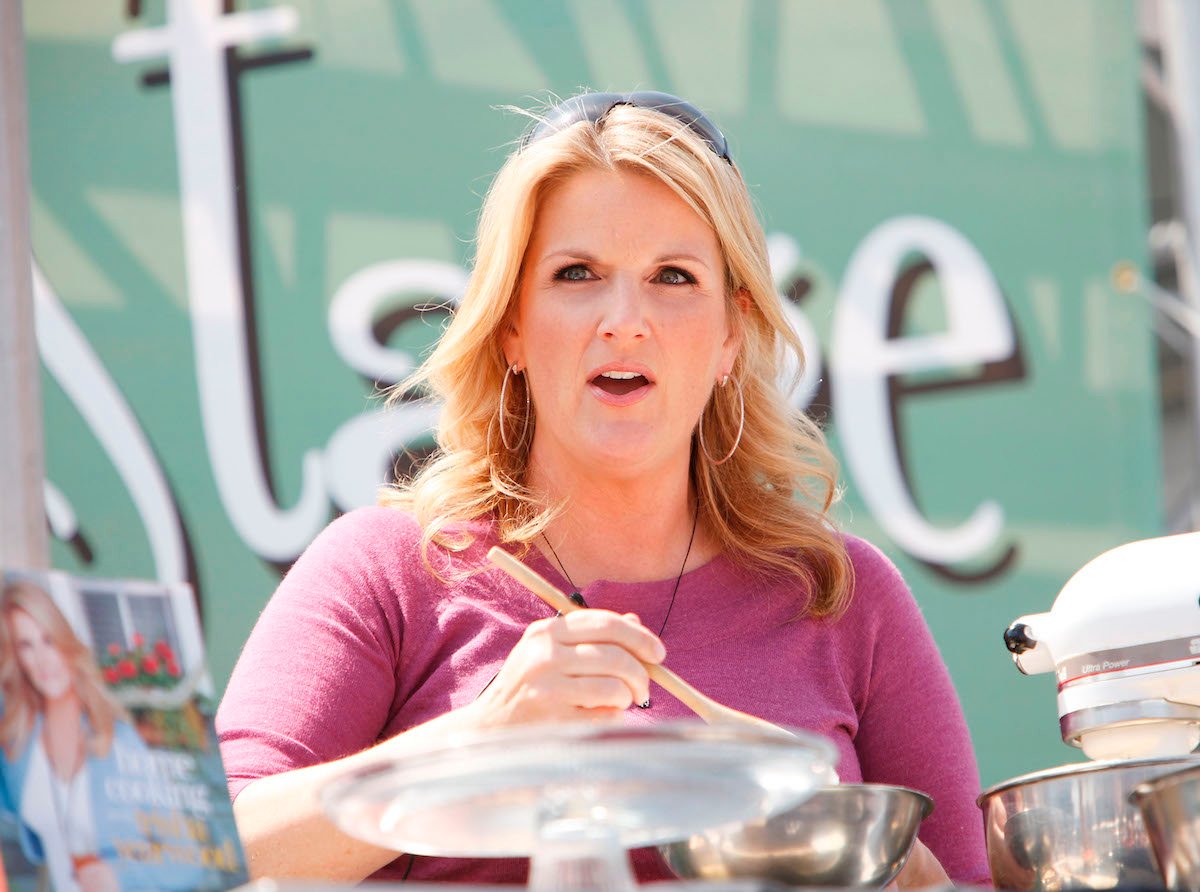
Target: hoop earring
pixel 512 370
pixel 741 426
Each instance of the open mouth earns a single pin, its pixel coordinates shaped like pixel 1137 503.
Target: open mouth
pixel 620 383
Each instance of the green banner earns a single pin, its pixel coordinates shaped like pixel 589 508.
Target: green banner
pixel 238 212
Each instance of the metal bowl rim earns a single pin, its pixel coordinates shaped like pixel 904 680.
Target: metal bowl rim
pixel 926 801
pixel 927 804
pixel 1170 779
pixel 1086 768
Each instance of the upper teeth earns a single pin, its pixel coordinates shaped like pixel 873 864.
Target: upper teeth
pixel 620 376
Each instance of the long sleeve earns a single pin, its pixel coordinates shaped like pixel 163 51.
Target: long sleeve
pixel 911 726
pixel 316 680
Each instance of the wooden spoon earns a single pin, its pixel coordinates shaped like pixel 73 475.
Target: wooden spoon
pixel 705 707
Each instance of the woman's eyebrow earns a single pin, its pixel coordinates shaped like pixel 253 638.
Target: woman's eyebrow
pixel 571 253
pixel 587 257
pixel 667 258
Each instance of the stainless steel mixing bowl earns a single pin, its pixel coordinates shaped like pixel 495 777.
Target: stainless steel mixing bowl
pixel 1170 807
pixel 843 836
pixel 1073 827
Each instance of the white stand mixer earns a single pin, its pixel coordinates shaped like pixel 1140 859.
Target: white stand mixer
pixel 1123 637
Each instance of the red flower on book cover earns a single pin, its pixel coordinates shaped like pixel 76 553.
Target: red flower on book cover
pixel 141 665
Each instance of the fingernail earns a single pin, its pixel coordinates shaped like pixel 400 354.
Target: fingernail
pixel 645 704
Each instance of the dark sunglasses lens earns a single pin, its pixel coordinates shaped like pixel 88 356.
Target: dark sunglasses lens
pixel 682 110
pixel 588 107
pixel 594 106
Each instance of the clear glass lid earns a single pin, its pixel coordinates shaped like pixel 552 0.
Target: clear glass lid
pixel 503 793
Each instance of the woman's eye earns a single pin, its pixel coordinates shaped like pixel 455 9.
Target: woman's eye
pixel 576 272
pixel 674 276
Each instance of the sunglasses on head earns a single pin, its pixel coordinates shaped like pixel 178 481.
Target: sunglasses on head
pixel 593 107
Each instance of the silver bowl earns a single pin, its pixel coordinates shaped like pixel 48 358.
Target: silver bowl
pixel 842 836
pixel 1170 807
pixel 1073 827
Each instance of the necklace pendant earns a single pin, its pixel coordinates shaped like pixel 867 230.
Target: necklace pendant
pixel 578 599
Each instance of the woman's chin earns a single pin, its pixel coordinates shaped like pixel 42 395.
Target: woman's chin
pixel 628 457
pixel 55 691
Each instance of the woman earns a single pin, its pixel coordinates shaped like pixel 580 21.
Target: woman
pixel 75 772
pixel 58 719
pixel 611 414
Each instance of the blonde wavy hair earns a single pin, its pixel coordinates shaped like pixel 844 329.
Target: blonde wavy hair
pixel 766 506
pixel 21 702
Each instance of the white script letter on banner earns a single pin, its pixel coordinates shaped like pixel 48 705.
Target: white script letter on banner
pixel 360 453
pixel 74 365
pixel 785 257
pixel 195 40
pixel 863 358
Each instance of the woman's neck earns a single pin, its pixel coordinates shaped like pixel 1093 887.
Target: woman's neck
pixel 622 530
pixel 63 734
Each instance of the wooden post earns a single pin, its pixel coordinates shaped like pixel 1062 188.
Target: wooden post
pixel 1181 61
pixel 23 537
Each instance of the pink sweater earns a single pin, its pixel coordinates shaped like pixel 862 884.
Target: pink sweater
pixel 360 643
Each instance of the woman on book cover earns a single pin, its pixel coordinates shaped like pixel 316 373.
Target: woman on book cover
pixel 58 717
pixel 69 749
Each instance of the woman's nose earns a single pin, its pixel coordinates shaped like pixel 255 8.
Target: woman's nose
pixel 623 315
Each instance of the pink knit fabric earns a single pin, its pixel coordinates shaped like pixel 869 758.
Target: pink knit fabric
pixel 360 642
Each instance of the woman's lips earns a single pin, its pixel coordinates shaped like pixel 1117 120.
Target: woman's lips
pixel 618 391
pixel 622 383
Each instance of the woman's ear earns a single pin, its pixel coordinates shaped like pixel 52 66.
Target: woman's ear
pixel 510 343
pixel 733 341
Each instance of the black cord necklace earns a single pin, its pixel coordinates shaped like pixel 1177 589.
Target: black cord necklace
pixel 578 598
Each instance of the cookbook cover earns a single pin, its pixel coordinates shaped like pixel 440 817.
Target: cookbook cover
pixel 110 776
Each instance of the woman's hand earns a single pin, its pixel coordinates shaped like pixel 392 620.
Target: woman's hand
pixel 922 869
pixel 97 876
pixel 584 664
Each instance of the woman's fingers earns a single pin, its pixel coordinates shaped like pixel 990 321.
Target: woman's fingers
pixel 599 714
pixel 607 663
pixel 97 876
pixel 604 626
pixel 600 692
pixel 587 663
